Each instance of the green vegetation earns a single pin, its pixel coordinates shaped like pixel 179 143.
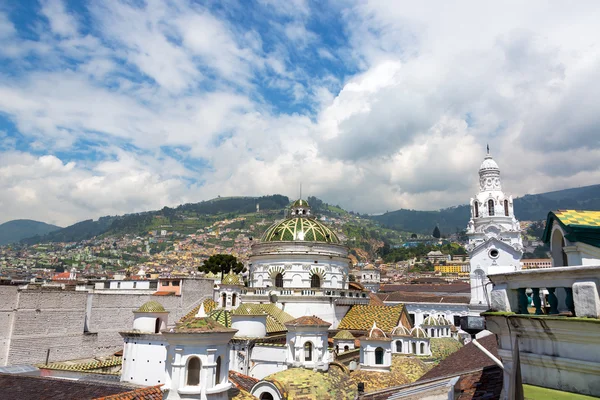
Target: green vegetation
pixel 221 263
pixel 536 393
pixel 404 253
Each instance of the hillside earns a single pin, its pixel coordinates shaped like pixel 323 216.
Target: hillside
pixel 13 231
pixel 527 208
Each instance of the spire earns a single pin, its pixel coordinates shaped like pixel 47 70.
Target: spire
pixel 201 312
pixel 488 149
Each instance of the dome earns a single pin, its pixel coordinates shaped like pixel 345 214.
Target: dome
pixel 376 333
pixel 299 229
pixel 431 321
pixel 151 307
pixel 400 330
pixel 418 332
pixel 344 335
pixel 232 279
pixel 488 163
pixel 300 203
pixel 443 321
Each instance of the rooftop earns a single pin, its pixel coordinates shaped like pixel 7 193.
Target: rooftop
pixel 580 226
pixel 151 307
pixel 276 317
pixel 361 317
pixel 306 384
pixel 405 369
pixel 308 321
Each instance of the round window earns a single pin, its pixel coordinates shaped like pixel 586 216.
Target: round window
pixel 494 253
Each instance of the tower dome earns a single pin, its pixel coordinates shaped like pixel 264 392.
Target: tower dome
pixel 401 330
pixel 489 175
pixel 299 226
pixel 418 332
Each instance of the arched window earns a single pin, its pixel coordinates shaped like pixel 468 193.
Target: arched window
pixel 315 281
pixel 491 207
pixel 476 209
pixel 414 348
pixel 233 299
pixel 279 280
pixel 422 348
pixel 266 396
pixel 193 371
pixel 399 346
pixel 346 348
pixel 308 348
pixel 218 371
pixel 224 300
pixel 506 208
pixel 157 325
pixel 379 356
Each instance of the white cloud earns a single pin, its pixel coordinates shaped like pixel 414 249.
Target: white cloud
pixel 437 82
pixel 61 22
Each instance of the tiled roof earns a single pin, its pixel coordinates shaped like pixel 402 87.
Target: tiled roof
pixel 221 316
pixel 201 325
pixel 458 287
pixel 276 317
pixel 412 297
pixel 85 367
pixel 579 226
pixel 299 228
pixel 374 300
pixel 151 307
pixel 344 335
pixel 441 348
pixel 232 279
pixel 467 358
pixel 241 381
pixel 361 317
pixel 308 321
pixel 579 217
pixel 481 385
pixel 146 393
pixel 18 387
pixel 209 305
pixel 306 384
pixel 405 369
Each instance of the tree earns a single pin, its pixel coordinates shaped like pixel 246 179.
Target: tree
pixel 221 263
pixel 436 232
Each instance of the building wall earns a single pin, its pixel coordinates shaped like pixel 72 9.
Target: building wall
pixel 267 360
pixel 77 324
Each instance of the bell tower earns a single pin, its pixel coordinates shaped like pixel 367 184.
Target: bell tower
pixel 495 244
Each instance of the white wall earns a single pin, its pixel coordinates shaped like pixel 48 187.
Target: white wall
pixel 267 360
pixel 144 359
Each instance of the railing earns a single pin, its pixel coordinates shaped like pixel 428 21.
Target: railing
pixel 569 291
pixel 351 294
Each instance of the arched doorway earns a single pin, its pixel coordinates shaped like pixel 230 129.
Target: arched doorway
pixel 308 350
pixel 223 300
pixel 157 325
pixel 266 396
pixel 233 300
pixel 193 371
pixel 379 356
pixel 279 280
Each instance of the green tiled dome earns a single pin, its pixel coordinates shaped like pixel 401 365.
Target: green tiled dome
pixel 299 229
pixel 344 335
pixel 232 279
pixel 300 203
pixel 151 307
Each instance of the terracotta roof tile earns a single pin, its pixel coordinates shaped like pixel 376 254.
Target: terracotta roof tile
pixel 413 297
pixel 308 321
pixel 467 358
pixel 241 381
pixel 481 385
pixel 405 369
pixel 18 387
pixel 147 393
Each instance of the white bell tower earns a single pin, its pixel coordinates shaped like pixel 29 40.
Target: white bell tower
pixel 495 244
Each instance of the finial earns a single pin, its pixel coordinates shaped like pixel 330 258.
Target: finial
pixel 201 313
pixel 488 149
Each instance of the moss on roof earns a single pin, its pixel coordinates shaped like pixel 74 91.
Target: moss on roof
pixel 306 384
pixel 96 366
pixel 442 348
pixel 361 317
pixel 405 369
pixel 201 325
pixel 209 305
pixel 344 335
pixel 151 307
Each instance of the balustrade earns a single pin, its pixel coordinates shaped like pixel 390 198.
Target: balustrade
pixel 571 291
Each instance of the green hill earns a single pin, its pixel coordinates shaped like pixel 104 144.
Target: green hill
pixel 15 230
pixel 531 207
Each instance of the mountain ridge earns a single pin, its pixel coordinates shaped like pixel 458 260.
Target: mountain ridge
pixel 17 229
pixel 449 220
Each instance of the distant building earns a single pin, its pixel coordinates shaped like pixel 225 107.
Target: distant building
pixel 533 263
pixel 436 256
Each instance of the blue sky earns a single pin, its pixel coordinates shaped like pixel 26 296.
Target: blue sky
pixel 123 106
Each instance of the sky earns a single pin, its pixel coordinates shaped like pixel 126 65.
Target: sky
pixel 111 107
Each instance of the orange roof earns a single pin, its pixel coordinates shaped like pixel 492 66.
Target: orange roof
pixel 163 293
pixel 308 321
pixel 147 393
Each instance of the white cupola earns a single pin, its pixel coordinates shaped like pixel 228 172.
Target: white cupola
pixel 307 343
pixel 376 351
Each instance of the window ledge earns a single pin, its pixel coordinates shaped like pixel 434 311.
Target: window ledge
pixel 189 390
pixel 223 387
